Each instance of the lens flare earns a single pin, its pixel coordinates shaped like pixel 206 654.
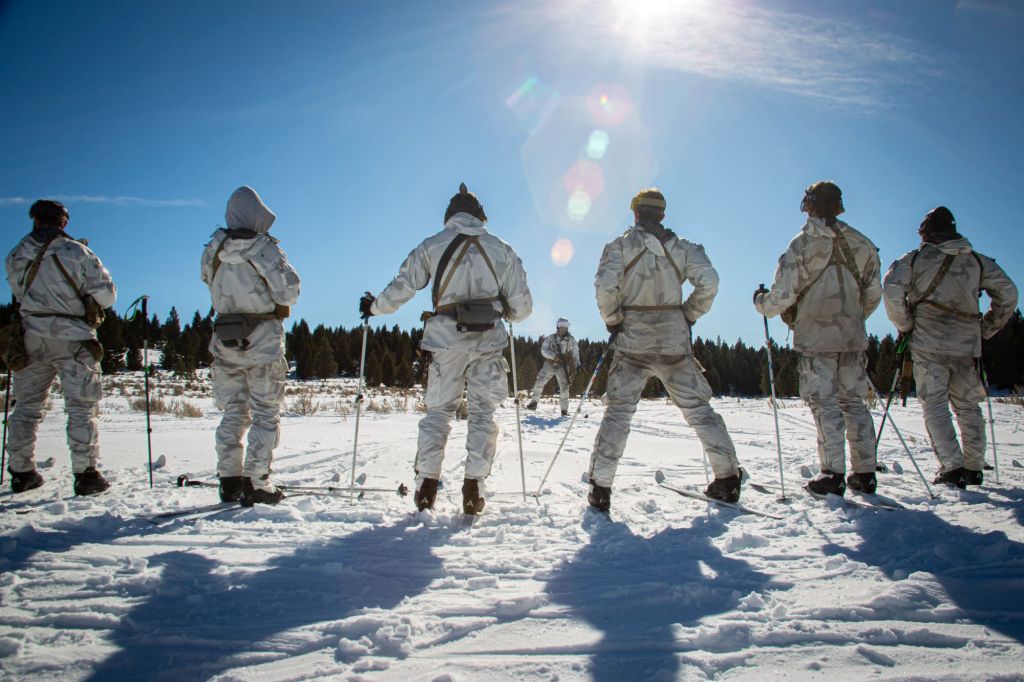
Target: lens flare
pixel 562 252
pixel 609 104
pixel 579 205
pixel 532 103
pixel 597 145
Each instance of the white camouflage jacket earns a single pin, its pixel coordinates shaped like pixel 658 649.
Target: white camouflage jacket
pixel 639 284
pixel 556 347
pixel 947 320
pixel 51 293
pixel 471 279
pixel 253 275
pixel 832 303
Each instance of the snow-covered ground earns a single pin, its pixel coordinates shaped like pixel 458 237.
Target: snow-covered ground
pixel 664 588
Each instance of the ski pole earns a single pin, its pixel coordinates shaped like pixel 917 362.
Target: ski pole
pixel 579 406
pixel 359 402
pixel 905 446
pixel 991 421
pixel 7 405
pixel 901 349
pixel 515 391
pixel 775 407
pixel 141 302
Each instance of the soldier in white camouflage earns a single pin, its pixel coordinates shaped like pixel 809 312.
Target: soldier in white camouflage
pixel 61 288
pixel 477 281
pixel 931 294
pixel 252 286
pixel 561 354
pixel 826 285
pixel 639 295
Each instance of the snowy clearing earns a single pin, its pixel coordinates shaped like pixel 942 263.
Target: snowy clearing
pixel 664 588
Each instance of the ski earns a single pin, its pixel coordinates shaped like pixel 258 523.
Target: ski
pixel 660 478
pixel 401 491
pixel 200 511
pixel 878 500
pixel 853 503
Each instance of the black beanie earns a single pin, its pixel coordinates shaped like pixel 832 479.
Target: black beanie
pixel 48 212
pixel 465 202
pixel 939 222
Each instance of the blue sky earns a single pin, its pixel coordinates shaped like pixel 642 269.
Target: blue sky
pixel 356 121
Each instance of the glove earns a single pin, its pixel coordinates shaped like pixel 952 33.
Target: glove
pixel 364 305
pixel 760 290
pixel 613 328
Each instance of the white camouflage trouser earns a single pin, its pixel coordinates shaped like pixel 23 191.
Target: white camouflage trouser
pixel 251 398
pixel 944 380
pixel 689 391
pixel 483 376
pixel 80 381
pixel 835 386
pixel 548 370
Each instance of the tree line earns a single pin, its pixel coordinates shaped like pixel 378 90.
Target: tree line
pixel 393 357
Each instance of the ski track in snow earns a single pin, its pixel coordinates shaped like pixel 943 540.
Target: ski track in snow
pixel 661 588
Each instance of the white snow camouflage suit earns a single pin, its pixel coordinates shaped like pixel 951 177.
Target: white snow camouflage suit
pixel 946 332
pixel 559 353
pixel 57 345
pixel 462 360
pixel 639 285
pixel 834 289
pixel 253 276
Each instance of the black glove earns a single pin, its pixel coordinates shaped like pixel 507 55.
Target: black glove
pixel 760 290
pixel 364 305
pixel 613 328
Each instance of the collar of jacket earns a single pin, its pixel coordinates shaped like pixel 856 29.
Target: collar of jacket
pixel 941 238
pixel 817 227
pixel 45 234
pixel 953 247
pixel 465 223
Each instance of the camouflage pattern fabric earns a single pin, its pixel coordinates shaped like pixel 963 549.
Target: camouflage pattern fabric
pixel 552 369
pixel 936 327
pixel 682 378
pixel 636 270
pixel 835 386
pixel 80 382
pixel 554 349
pixel 471 279
pixel 50 292
pixel 253 275
pixel 484 377
pixel 251 397
pixel 831 313
pixel 944 380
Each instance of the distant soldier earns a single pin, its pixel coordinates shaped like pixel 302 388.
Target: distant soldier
pixel 252 286
pixel 931 294
pixel 62 289
pixel 477 280
pixel 826 285
pixel 561 354
pixel 639 294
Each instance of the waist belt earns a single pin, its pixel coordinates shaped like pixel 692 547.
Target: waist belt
pixel 650 308
pixel 951 310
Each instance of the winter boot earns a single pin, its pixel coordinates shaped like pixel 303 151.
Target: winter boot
pixel 25 480
pixel 532 405
pixel 231 488
pixel 90 482
pixel 974 477
pixel 427 493
pixel 726 489
pixel 599 497
pixel 957 477
pixel 865 483
pixel 565 413
pixel 252 495
pixel 828 482
pixel 472 503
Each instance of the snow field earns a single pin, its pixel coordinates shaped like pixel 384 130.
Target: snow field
pixel 541 589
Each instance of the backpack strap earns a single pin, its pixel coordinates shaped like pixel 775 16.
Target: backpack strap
pixel 281 312
pixel 33 268
pixel 442 265
pixel 947 262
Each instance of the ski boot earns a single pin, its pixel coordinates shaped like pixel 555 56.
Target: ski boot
pixel 426 494
pixel 726 489
pixel 263 495
pixel 565 413
pixel 532 405
pixel 599 497
pixel 865 483
pixel 957 477
pixel 828 482
pixel 472 503
pixel 974 477
pixel 25 480
pixel 230 488
pixel 90 482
